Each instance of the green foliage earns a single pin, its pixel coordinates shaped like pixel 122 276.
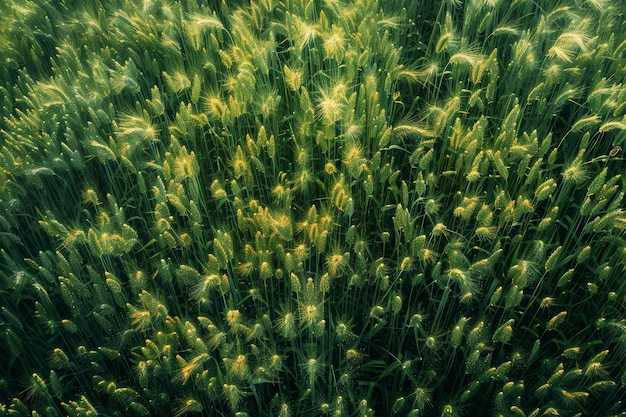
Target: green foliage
pixel 303 208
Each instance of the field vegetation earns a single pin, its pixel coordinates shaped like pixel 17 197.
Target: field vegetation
pixel 312 208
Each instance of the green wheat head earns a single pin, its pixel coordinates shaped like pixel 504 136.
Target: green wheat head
pixel 312 208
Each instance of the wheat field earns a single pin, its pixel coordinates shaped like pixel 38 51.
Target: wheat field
pixel 312 208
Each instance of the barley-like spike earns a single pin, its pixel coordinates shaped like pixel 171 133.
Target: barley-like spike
pixel 553 260
pixel 565 278
pixel 556 321
pixel 504 333
pixel 585 123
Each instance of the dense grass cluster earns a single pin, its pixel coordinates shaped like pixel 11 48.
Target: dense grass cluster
pixel 312 208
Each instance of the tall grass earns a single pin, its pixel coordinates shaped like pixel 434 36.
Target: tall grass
pixel 303 208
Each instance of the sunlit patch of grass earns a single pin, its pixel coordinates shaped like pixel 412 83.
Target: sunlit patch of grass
pixel 312 208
